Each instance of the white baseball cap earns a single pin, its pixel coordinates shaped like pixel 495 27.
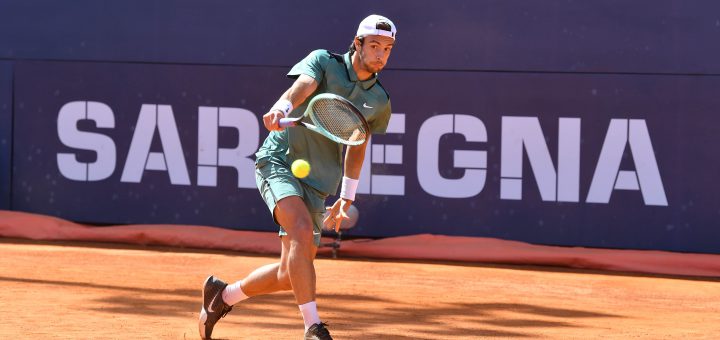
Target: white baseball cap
pixel 376 25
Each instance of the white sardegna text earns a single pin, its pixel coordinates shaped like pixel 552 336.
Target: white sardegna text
pixel 519 136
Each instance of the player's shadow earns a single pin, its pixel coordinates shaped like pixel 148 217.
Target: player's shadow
pixel 481 319
pixel 486 319
pixel 491 319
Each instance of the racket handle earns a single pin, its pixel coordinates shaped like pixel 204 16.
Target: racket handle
pixel 287 122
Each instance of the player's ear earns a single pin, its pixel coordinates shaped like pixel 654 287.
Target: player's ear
pixel 358 43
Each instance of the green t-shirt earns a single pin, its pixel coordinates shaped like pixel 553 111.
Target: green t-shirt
pixel 334 74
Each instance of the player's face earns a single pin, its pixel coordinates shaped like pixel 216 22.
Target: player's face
pixel 375 51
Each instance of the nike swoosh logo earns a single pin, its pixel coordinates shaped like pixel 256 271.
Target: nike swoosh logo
pixel 210 310
pixel 365 105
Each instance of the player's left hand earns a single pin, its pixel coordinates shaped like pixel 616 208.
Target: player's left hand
pixel 337 214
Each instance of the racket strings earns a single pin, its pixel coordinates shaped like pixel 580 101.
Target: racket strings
pixel 339 119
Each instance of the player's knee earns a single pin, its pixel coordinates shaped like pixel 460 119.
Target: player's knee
pixel 302 232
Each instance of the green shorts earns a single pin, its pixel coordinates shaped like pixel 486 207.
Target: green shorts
pixel 275 182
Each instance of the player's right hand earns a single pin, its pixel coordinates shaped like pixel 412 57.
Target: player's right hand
pixel 271 120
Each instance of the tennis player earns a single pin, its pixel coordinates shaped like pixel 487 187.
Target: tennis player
pixel 297 205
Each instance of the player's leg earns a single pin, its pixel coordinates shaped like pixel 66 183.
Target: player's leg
pixel 298 251
pixel 217 292
pixel 315 204
pixel 302 219
pixel 266 279
pixel 261 281
pixel 293 215
pixel 296 207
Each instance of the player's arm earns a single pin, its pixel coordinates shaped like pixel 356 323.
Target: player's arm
pixel 300 90
pixel 354 157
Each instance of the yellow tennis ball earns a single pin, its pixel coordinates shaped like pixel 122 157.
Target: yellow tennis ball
pixel 300 168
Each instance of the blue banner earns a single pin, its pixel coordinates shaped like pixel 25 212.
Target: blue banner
pixel 619 161
pixel 6 140
pixel 647 36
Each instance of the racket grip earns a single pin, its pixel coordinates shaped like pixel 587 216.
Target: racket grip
pixel 287 122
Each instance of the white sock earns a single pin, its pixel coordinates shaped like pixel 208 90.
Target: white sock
pixel 310 314
pixel 233 293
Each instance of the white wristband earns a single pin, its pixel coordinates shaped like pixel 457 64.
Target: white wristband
pixel 348 188
pixel 283 105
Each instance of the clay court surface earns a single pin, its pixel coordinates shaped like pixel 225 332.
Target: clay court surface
pixel 74 290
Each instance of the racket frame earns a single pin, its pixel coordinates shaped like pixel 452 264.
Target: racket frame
pixel 290 122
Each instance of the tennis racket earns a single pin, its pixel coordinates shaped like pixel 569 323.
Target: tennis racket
pixel 333 117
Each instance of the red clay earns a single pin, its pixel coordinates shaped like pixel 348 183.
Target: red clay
pixel 102 291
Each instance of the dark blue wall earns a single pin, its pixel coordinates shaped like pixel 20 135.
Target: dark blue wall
pixel 625 72
pixel 5 132
pixel 655 36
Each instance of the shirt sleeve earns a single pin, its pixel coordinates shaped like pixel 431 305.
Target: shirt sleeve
pixel 313 65
pixel 380 123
